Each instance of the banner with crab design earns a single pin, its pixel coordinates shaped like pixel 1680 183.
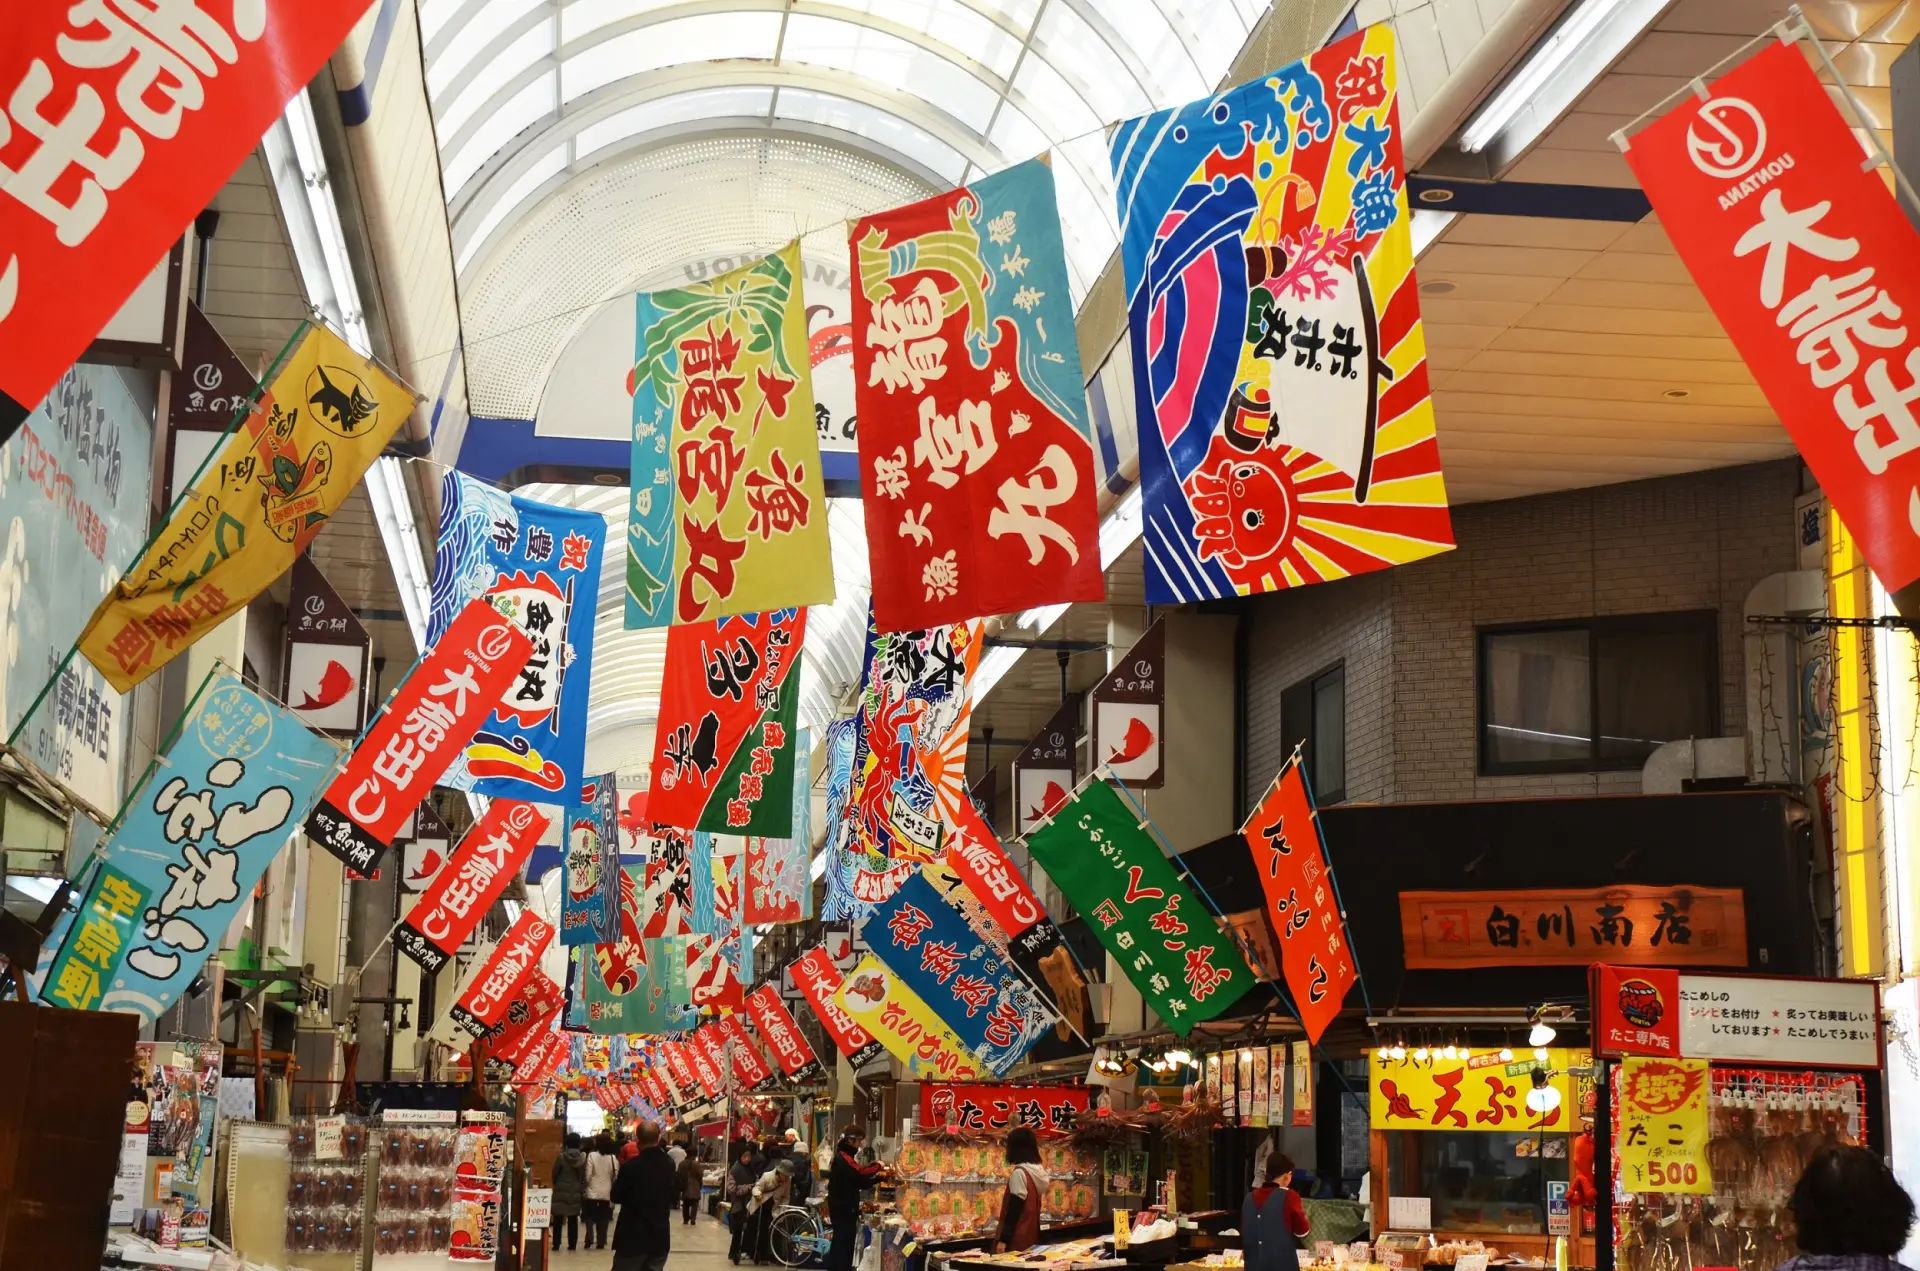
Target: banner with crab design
pixel 724 744
pixel 1286 428
pixel 726 512
pixel 975 446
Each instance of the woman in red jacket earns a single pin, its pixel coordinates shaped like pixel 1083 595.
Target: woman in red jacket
pixel 1270 1219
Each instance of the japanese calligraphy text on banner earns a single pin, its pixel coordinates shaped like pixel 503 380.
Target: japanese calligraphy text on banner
pixel 916 687
pixel 1165 940
pixel 897 1017
pixel 420 731
pixel 622 989
pixel 818 980
pixel 110 163
pixel 727 513
pixel 1481 1092
pixel 1662 1139
pixel 668 906
pixel 724 743
pixel 975 992
pixel 779 887
pixel 1809 263
pixel 1668 926
pixel 1290 856
pixel 197 834
pixel 975 449
pixel 539 565
pixel 1046 1110
pixel 590 906
pixel 785 1042
pixel 1280 375
pixel 473 878
pixel 262 498
pixel 514 960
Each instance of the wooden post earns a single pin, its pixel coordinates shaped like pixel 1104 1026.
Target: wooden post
pixel 259 1079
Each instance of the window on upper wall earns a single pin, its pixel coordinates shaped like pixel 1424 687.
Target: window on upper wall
pixel 1313 716
pixel 1596 695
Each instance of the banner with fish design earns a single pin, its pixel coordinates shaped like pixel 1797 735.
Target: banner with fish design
pixel 1286 430
pixel 668 903
pixel 590 905
pixel 1044 773
pixel 723 744
pixel 720 946
pixel 876 999
pixel 779 887
pixel 726 511
pixel 622 992
pixel 975 448
pixel 1129 710
pixel 843 739
pixel 539 565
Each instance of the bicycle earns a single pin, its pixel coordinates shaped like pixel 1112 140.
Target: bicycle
pixel 800 1234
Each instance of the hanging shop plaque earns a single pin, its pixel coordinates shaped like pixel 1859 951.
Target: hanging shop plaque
pixel 212 385
pixel 1661 926
pixel 1480 1092
pixel 1129 710
pixel 325 658
pixel 423 855
pixel 1046 1110
pixel 1636 1010
pixel 1044 773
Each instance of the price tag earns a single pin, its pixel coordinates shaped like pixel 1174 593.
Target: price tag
pixel 1122 1227
pixel 329 1134
pixel 1471 1262
pixel 539 1208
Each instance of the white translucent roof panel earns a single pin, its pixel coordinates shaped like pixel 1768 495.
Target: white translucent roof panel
pixel 682 108
pixel 520 53
pixel 478 26
pixel 983 34
pixel 583 17
pixel 894 62
pixel 518 111
pixel 896 134
pixel 662 44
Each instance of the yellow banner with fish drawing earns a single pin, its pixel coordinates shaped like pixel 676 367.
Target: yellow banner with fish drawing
pixel 902 1022
pixel 260 500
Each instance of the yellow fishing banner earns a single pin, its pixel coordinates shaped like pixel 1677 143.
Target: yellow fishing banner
pixel 260 500
pixel 1662 1142
pixel 882 1004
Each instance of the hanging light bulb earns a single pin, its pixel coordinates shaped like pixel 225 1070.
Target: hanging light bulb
pixel 1540 1054
pixel 1542 1034
pixel 1506 1054
pixel 1450 1052
pixel 1397 1051
pixel 1420 1055
pixel 1177 1056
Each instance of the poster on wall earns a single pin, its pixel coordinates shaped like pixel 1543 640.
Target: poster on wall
pixel 1129 707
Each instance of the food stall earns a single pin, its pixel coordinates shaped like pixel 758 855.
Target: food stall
pixel 1722 1088
pixel 1471 1151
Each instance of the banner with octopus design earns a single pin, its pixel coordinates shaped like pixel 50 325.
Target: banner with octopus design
pixel 975 450
pixel 539 565
pixel 726 512
pixel 1286 428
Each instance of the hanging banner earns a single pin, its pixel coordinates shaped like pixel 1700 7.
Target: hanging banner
pixel 779 887
pixel 425 854
pixel 818 980
pixel 751 1070
pixel 680 1066
pixel 1302 1085
pixel 668 958
pixel 707 1062
pixel 191 843
pixel 917 706
pixel 263 497
pixel 717 952
pixel 1046 771
pixel 1113 871
pixel 590 906
pixel 1128 711
pixel 112 162
pixel 514 960
pixel 624 990
pixel 1280 376
pixel 1761 187
pixel 842 861
pixel 727 514
pixel 724 755
pixel 669 883
pixel 986 1003
pixel 480 869
pixel 528 1014
pixel 899 1020
pixel 540 1061
pixel 1046 1110
pixel 1662 1140
pixel 420 731
pixel 975 450
pixel 212 384
pixel 324 659
pixel 785 1042
pixel 539 565
pixel 1290 856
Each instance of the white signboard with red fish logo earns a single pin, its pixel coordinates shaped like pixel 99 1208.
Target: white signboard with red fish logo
pixel 1128 712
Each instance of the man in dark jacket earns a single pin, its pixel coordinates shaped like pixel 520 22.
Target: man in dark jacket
pixel 569 1191
pixel 647 1191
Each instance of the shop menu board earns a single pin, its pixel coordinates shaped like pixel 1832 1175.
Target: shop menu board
pixel 955 1190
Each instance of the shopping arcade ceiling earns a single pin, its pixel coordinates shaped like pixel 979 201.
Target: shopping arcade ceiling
pixel 593 147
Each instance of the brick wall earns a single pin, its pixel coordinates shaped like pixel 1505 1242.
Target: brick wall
pixel 1698 541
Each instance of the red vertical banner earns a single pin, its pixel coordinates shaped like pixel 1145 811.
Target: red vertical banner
pixel 508 968
pixel 680 1068
pixel 785 1042
pixel 749 1065
pixel 479 870
pixel 817 978
pixel 1810 265
pixel 1291 859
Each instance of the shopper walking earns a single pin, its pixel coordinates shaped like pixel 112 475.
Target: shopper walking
pixel 1849 1214
pixel 1026 1186
pixel 1271 1217
pixel 597 1207
pixel 569 1192
pixel 690 1173
pixel 645 1190
pixel 845 1181
pixel 769 1194
pixel 739 1190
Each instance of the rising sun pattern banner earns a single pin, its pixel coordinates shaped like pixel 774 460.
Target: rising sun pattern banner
pixel 1286 429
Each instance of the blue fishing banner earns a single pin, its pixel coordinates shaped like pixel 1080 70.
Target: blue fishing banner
pixel 540 566
pixel 980 996
pixel 590 906
pixel 201 828
pixel 842 741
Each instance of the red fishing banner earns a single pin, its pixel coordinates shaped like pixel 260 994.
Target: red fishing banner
pixel 478 871
pixel 755 1074
pixel 975 442
pixel 514 960
pixel 785 1042
pixel 680 1067
pixel 709 1061
pixel 817 978
pixel 1809 264
pixel 1291 858
pixel 669 884
pixel 538 998
pixel 421 730
pixel 127 118
pixel 541 1060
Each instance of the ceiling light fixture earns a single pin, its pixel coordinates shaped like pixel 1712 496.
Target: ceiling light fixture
pixel 1560 69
